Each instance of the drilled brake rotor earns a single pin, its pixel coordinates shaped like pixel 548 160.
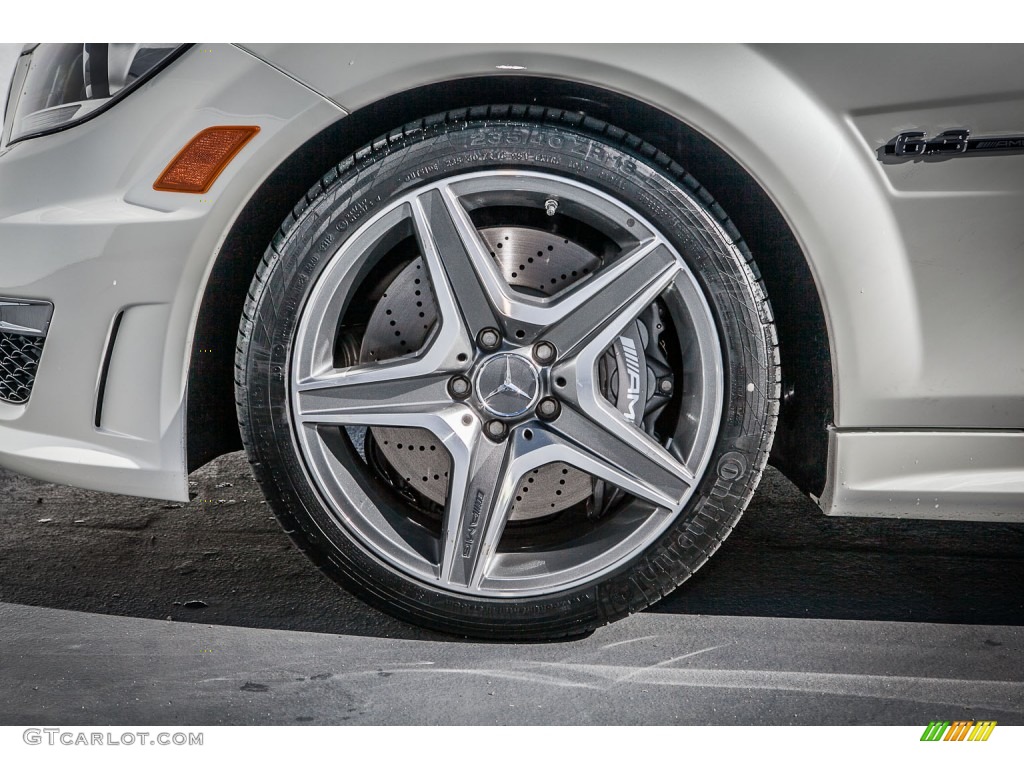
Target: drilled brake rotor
pixel 531 260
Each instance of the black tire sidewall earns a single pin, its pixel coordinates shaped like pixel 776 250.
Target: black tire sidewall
pixel 653 186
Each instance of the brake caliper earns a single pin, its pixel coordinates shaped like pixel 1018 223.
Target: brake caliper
pixel 636 378
pixel 633 373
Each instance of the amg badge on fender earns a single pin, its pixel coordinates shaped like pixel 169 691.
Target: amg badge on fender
pixel 911 144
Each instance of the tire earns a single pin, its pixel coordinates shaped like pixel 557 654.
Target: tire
pixel 508 372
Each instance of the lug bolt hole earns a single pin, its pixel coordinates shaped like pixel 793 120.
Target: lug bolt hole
pixel 496 430
pixel 544 352
pixel 489 339
pixel 548 408
pixel 459 387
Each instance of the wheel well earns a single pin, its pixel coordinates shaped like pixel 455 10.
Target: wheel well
pixel 801 441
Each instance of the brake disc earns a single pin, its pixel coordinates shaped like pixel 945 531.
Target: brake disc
pixel 535 262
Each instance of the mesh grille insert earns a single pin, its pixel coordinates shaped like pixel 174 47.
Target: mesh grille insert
pixel 19 360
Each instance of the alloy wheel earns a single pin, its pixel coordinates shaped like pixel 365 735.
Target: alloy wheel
pixel 489 369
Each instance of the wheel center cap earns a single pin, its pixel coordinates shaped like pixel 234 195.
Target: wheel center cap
pixel 507 385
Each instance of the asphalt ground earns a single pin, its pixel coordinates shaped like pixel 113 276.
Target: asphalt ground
pixel 204 613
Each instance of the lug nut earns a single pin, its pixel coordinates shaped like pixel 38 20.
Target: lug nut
pixel 496 430
pixel 489 339
pixel 459 387
pixel 544 352
pixel 665 386
pixel 548 408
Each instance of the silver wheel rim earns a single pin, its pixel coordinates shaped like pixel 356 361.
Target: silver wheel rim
pixel 465 556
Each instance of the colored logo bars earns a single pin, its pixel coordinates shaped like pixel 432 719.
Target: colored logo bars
pixel 959 730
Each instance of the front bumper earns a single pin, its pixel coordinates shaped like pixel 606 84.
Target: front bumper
pixel 82 229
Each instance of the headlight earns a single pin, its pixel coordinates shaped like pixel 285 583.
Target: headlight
pixel 60 85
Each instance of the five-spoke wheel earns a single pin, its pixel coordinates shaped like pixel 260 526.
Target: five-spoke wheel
pixel 493 400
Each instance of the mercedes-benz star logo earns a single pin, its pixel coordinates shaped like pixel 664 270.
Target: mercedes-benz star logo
pixel 511 383
pixel 507 385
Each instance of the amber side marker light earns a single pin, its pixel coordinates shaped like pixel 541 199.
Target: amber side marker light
pixel 201 161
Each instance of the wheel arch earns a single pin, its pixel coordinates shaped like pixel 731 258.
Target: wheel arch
pixel 806 411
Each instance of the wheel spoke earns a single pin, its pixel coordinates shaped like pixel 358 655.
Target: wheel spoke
pixel 485 476
pixel 457 258
pixel 628 458
pixel 479 501
pixel 612 297
pixel 390 393
pixel 578 370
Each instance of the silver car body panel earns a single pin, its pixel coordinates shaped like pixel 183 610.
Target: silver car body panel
pixel 918 264
pixel 935 475
pixel 82 227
